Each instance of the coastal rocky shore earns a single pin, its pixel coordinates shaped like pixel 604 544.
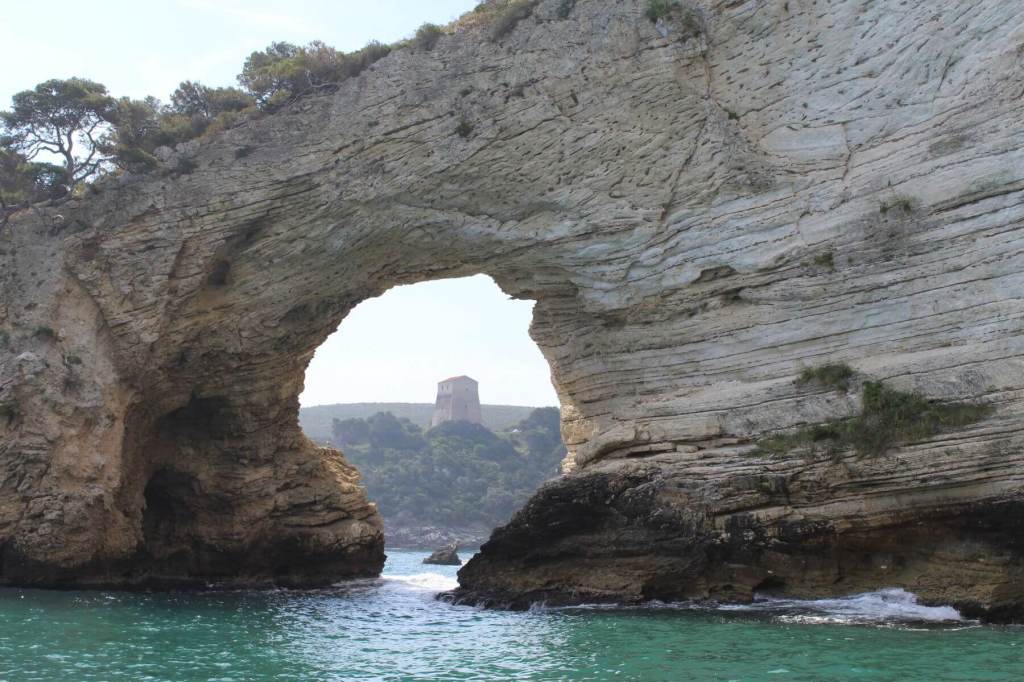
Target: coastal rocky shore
pixel 705 207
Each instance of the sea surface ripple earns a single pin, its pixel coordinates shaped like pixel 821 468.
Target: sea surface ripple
pixel 394 629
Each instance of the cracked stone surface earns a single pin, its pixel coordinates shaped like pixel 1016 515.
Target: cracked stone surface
pixel 699 217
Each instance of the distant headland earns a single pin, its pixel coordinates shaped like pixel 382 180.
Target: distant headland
pixel 317 420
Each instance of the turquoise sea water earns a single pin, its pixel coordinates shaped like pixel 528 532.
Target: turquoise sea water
pixel 394 629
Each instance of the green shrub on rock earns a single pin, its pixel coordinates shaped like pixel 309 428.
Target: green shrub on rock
pixel 660 9
pixel 25 182
pixel 427 36
pixel 283 71
pixel 513 12
pixel 686 19
pixel 464 129
pixel 899 202
pixel 835 376
pixel 360 60
pixel 888 418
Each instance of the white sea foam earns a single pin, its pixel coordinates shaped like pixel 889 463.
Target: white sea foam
pixel 891 605
pixel 887 606
pixel 426 582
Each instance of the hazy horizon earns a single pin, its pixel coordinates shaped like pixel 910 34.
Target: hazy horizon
pixel 416 402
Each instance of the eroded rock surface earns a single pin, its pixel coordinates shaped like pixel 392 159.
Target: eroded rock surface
pixel 701 208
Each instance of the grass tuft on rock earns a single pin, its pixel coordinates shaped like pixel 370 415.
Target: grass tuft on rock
pixel 834 375
pixel 427 36
pixel 660 9
pixel 9 411
pixel 514 12
pixel 565 9
pixel 464 129
pixel 686 19
pixel 811 440
pixel 826 259
pixel 888 418
pixel 186 166
pixel 900 202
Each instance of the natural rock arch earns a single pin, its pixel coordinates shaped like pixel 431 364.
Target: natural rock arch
pixel 699 215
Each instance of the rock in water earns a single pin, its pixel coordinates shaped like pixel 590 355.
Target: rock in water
pixel 446 556
pixel 701 209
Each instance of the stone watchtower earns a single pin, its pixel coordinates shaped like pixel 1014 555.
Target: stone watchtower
pixel 457 400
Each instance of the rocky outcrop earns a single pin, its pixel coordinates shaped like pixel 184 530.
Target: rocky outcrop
pixel 446 556
pixel 701 208
pixel 657 533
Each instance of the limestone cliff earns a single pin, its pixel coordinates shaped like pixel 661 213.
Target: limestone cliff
pixel 701 207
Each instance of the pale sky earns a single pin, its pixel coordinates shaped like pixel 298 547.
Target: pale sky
pixel 397 347
pixel 391 349
pixel 147 47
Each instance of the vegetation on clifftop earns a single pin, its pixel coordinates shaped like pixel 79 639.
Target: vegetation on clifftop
pixel 90 132
pixel 509 17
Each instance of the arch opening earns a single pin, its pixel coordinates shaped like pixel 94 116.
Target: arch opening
pixel 436 393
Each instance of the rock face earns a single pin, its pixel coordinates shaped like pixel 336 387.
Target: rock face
pixel 446 556
pixel 700 207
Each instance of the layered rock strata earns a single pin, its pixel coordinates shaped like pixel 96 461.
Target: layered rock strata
pixel 701 207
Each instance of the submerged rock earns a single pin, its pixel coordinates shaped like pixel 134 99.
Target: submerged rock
pixel 446 556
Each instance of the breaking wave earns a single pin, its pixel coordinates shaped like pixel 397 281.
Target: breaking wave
pixel 423 582
pixel 891 605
